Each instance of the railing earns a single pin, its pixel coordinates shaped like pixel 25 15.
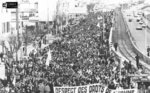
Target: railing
pixel 112 49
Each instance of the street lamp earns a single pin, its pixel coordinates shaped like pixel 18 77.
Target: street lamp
pixel 146 34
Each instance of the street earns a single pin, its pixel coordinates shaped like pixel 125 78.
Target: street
pixel 78 46
pixel 125 46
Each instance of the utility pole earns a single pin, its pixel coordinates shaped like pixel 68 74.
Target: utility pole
pixel 146 35
pixel 103 29
pixel 17 28
pixel 48 16
pixel 26 41
pixel 57 16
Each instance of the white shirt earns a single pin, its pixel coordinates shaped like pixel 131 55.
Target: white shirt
pixel 7 89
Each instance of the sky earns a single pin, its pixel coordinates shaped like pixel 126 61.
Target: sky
pixel 50 5
pixel 147 1
pixel 47 5
pixel 44 6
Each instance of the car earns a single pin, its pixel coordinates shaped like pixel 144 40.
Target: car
pixel 144 26
pixel 139 13
pixel 138 20
pixel 135 16
pixel 128 15
pixel 141 22
pixel 139 28
pixel 130 20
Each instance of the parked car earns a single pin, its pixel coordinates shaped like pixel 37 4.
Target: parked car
pixel 139 28
pixel 130 20
pixel 140 22
pixel 144 26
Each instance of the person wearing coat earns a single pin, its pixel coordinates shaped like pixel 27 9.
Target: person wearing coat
pixel 41 87
pixel 47 88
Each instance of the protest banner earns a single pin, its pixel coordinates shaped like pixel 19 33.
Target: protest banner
pixel 124 91
pixel 92 88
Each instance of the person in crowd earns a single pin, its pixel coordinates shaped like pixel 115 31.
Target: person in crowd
pixel 148 50
pixel 137 60
pixel 47 88
pixel 148 90
pixel 116 46
pixel 41 87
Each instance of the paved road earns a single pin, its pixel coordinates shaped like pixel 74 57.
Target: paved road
pixel 125 46
pixel 138 35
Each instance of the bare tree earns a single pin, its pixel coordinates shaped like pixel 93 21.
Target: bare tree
pixel 90 7
pixel 14 45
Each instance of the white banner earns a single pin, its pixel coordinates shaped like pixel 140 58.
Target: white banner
pixel 124 91
pixel 92 88
pixel 49 58
pixel 2 71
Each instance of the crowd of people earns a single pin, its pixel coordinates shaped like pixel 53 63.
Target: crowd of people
pixel 84 53
pixel 80 57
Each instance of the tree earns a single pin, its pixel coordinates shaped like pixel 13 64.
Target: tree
pixel 90 7
pixel 28 35
pixel 14 45
pixel 31 33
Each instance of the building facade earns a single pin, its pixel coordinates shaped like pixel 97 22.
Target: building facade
pixel 27 12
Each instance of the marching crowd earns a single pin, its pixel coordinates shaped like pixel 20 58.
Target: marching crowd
pixel 84 57
pixel 80 57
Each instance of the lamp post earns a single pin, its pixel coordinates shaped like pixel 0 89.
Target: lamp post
pixel 146 34
pixel 48 17
pixel 103 29
pixel 17 28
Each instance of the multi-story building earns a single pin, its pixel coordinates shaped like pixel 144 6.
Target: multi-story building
pixel 68 9
pixel 4 25
pixel 47 10
pixel 32 11
pixel 46 13
pixel 27 12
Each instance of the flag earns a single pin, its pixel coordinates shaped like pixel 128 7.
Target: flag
pixel 98 24
pixel 14 80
